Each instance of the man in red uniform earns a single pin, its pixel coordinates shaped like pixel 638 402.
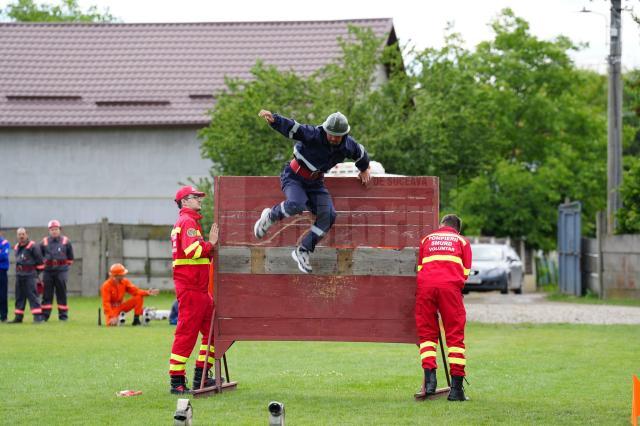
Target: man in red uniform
pixel 113 291
pixel 443 267
pixel 191 262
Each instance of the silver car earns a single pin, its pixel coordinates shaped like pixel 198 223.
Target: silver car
pixel 495 267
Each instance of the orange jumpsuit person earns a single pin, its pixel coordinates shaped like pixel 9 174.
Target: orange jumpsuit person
pixel 113 291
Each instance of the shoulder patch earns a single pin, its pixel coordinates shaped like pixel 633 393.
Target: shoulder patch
pixel 191 232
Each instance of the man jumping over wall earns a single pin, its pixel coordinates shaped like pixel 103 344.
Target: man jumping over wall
pixel 317 150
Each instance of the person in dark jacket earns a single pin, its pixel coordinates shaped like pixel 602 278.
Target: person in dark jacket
pixel 28 262
pixel 317 150
pixel 5 249
pixel 58 256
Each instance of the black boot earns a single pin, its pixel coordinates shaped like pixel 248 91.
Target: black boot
pixel 430 381
pixel 457 391
pixel 197 377
pixel 17 319
pixel 136 320
pixel 179 385
pixel 38 319
pixel 46 314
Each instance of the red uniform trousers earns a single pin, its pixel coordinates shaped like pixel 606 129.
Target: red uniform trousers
pixel 195 309
pixel 446 299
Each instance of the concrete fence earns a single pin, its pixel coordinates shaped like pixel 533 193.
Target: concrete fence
pixel 611 264
pixel 145 250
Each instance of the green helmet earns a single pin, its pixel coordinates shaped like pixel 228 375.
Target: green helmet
pixel 336 124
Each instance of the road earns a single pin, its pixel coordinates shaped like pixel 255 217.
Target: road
pixel 493 307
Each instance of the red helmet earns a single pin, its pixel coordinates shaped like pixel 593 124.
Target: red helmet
pixel 53 224
pixel 118 269
pixel 188 190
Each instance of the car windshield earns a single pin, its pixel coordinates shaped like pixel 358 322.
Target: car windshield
pixel 487 252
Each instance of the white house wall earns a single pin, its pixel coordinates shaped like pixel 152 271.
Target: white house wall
pixel 80 176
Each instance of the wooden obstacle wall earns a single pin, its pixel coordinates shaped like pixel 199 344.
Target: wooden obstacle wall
pixel 363 284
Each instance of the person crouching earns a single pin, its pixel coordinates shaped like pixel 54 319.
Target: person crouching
pixel 113 291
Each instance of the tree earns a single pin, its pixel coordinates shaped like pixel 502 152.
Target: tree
pixel 66 11
pixel 238 142
pixel 512 128
pixel 629 214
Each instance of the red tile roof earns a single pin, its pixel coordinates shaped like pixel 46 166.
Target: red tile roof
pixel 77 75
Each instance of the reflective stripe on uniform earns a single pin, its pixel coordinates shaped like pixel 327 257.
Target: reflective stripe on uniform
pixel 179 358
pixel 175 231
pixel 177 367
pixel 198 252
pixel 427 343
pixel 319 232
pixel 363 152
pixel 210 359
pixel 204 348
pixel 304 160
pixel 201 261
pixel 294 129
pixel 192 247
pixel 456 350
pixel 427 354
pixel 446 258
pixel 284 212
pixel 459 361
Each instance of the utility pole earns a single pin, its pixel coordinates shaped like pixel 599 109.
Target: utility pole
pixel 614 139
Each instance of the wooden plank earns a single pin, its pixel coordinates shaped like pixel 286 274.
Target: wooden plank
pixel 339 236
pixel 391 218
pixel 245 186
pixel 313 296
pixel 392 202
pixel 325 261
pixel 325 329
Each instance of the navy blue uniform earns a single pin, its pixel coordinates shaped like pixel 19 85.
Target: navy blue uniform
pixel 314 153
pixel 5 248
pixel 28 262
pixel 58 255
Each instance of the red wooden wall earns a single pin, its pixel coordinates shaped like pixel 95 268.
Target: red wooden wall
pixel 363 284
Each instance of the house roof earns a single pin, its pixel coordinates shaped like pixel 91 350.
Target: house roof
pixel 78 75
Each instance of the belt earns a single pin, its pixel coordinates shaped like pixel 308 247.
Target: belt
pixel 25 268
pixel 56 262
pixel 303 171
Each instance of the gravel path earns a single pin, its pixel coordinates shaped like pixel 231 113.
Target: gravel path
pixel 533 308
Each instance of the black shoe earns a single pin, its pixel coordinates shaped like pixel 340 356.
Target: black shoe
pixel 208 382
pixel 136 320
pixel 38 319
pixel 457 390
pixel 430 381
pixel 179 385
pixel 17 319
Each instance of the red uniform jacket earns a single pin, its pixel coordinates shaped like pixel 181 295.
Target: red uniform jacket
pixel 113 294
pixel 191 253
pixel 444 259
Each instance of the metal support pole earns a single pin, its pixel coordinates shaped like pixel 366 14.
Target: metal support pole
pixel 614 139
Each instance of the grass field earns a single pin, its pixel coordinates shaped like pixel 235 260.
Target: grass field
pixel 59 373
pixel 591 299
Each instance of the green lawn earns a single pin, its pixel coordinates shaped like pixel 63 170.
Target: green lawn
pixel 69 373
pixel 591 299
